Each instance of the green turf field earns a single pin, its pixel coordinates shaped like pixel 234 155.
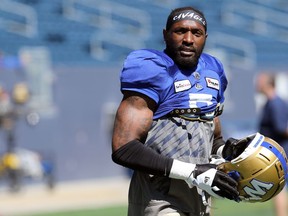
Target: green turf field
pixel 109 211
pixel 221 208
pixel 228 208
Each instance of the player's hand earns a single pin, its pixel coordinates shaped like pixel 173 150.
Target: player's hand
pixel 214 182
pixel 234 147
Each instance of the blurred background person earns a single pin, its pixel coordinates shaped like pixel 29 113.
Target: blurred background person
pixel 274 124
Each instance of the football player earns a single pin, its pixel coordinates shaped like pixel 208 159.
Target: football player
pixel 167 124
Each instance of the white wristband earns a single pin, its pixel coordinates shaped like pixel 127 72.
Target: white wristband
pixel 181 170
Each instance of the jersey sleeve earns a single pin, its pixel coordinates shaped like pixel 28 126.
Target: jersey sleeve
pixel 143 72
pixel 216 65
pixel 223 81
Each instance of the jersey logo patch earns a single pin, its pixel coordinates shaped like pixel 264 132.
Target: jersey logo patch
pixel 182 85
pixel 212 83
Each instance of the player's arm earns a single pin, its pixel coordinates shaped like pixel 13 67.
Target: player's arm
pixel 133 119
pixel 132 123
pixel 218 142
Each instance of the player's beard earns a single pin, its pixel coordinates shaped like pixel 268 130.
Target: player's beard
pixel 184 62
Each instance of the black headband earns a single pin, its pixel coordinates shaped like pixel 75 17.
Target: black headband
pixel 186 15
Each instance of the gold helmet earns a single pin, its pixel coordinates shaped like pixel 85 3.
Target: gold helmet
pixel 261 169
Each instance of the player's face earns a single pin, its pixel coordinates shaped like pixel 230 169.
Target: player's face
pixel 261 83
pixel 185 41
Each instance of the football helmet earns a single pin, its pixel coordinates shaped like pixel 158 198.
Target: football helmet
pixel 261 169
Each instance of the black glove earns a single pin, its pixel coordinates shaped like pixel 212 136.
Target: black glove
pixel 222 184
pixel 234 147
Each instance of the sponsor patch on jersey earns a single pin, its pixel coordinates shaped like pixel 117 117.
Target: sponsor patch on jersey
pixel 182 85
pixel 212 83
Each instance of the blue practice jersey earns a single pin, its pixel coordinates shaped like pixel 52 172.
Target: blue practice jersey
pixel 155 74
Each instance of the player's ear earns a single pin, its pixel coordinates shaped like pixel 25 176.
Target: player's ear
pixel 165 35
